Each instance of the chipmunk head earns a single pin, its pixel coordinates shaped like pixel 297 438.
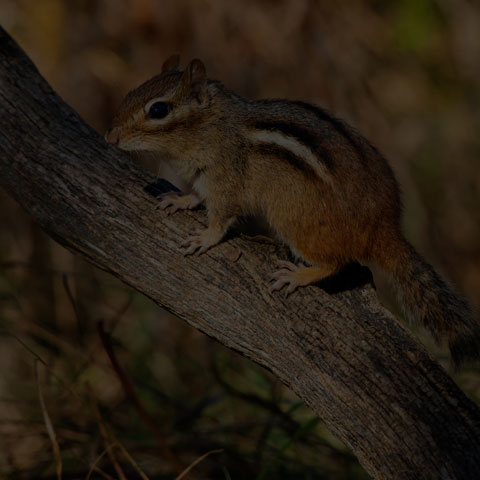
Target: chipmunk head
pixel 159 114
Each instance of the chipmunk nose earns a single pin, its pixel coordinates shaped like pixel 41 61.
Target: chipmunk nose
pixel 112 136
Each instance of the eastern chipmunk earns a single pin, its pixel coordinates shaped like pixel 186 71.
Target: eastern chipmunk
pixel 322 188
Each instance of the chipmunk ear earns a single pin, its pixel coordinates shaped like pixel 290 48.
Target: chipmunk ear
pixel 195 80
pixel 171 64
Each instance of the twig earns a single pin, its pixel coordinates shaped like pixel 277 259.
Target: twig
pixel 49 426
pixel 106 437
pixel 132 461
pixel 93 466
pixel 103 474
pixel 119 313
pixel 197 461
pixel 111 441
pixel 39 359
pixel 72 299
pixel 129 391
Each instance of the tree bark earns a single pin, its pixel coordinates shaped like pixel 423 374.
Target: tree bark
pixel 348 358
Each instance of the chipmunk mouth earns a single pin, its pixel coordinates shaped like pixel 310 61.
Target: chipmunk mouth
pixel 113 137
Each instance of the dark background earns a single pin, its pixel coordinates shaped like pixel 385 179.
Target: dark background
pixel 406 73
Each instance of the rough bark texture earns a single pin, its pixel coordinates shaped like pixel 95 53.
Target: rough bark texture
pixel 347 357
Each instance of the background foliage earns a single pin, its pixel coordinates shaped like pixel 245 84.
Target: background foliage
pixel 406 73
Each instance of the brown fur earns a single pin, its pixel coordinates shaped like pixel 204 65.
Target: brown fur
pixel 254 158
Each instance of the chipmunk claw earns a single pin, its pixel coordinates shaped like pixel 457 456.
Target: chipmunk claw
pixel 192 249
pixel 285 278
pixel 171 202
pixel 293 276
pixel 191 244
pixel 198 243
pixel 284 264
pixel 287 275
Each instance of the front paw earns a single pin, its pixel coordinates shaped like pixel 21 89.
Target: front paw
pixel 200 242
pixel 171 202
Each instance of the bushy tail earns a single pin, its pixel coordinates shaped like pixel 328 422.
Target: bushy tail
pixel 429 299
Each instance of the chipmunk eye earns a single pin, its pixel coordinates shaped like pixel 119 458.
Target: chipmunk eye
pixel 159 110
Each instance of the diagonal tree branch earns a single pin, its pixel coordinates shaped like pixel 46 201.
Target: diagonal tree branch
pixel 347 357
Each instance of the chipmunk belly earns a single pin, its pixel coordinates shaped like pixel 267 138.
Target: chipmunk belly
pixel 200 186
pixel 166 171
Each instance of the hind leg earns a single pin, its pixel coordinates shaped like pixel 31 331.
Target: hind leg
pixel 294 276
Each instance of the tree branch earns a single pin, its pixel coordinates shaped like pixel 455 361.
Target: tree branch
pixel 347 357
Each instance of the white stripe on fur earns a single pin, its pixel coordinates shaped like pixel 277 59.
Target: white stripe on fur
pixel 294 146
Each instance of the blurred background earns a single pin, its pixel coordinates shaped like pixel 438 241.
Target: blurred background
pixel 406 73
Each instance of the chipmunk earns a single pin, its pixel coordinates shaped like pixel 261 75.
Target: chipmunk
pixel 322 188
